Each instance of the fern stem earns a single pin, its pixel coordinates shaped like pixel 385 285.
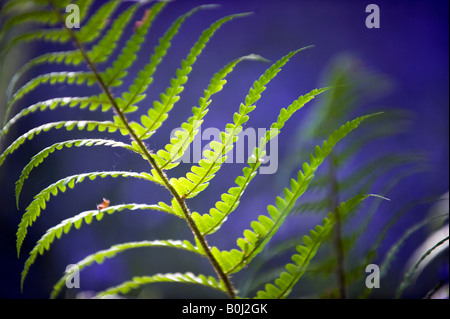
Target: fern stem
pixel 334 202
pixel 147 153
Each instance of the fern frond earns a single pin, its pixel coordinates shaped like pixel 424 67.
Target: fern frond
pixel 94 102
pixel 33 12
pixel 99 257
pixel 306 252
pixel 98 54
pixel 88 33
pixel 377 167
pixel 408 278
pixel 112 75
pixel 103 49
pixel 393 251
pixel 255 240
pixel 321 204
pixel 42 155
pixel 65 57
pixel 98 21
pixel 77 78
pixel 316 206
pixel 84 6
pixel 179 144
pixel 64 227
pixel 137 282
pixel 37 17
pixel 383 127
pixel 209 223
pixel 390 184
pixel 198 179
pixel 145 76
pixel 159 112
pixel 40 200
pixel 395 248
pixel 67 125
pixel 19 5
pixel 50 35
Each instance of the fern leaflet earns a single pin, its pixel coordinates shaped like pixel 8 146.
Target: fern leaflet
pixel 39 158
pixel 137 282
pixel 198 179
pixel 209 223
pixel 64 227
pixel 68 125
pixel 306 252
pixel 39 202
pixel 99 257
pixel 179 144
pixel 263 229
pixel 94 102
pixel 159 112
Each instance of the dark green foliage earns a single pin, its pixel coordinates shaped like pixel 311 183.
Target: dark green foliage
pixel 345 176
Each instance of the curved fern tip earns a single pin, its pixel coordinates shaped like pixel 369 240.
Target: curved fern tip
pixel 379 196
pixel 241 15
pixel 256 57
pixel 305 48
pixel 375 114
pixel 210 6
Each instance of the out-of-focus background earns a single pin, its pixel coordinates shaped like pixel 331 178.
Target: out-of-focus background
pixel 401 66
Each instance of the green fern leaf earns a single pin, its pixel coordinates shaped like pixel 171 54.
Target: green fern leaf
pixel 103 49
pixel 65 57
pixel 198 179
pixel 64 227
pixel 40 200
pixel 11 7
pixel 98 54
pixel 183 138
pixel 374 169
pixel 40 157
pixel 145 76
pixel 84 6
pixel 88 33
pixel 100 256
pixel 286 281
pixel 159 112
pixel 393 251
pixel 94 102
pixel 408 278
pixel 306 252
pixel 395 248
pixel 98 21
pixel 209 223
pixel 67 125
pixel 112 75
pixel 49 35
pixel 137 282
pixel 37 17
pixel 262 230
pixel 51 78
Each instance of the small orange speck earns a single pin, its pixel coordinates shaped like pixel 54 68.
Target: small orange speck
pixel 103 205
pixel 144 19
